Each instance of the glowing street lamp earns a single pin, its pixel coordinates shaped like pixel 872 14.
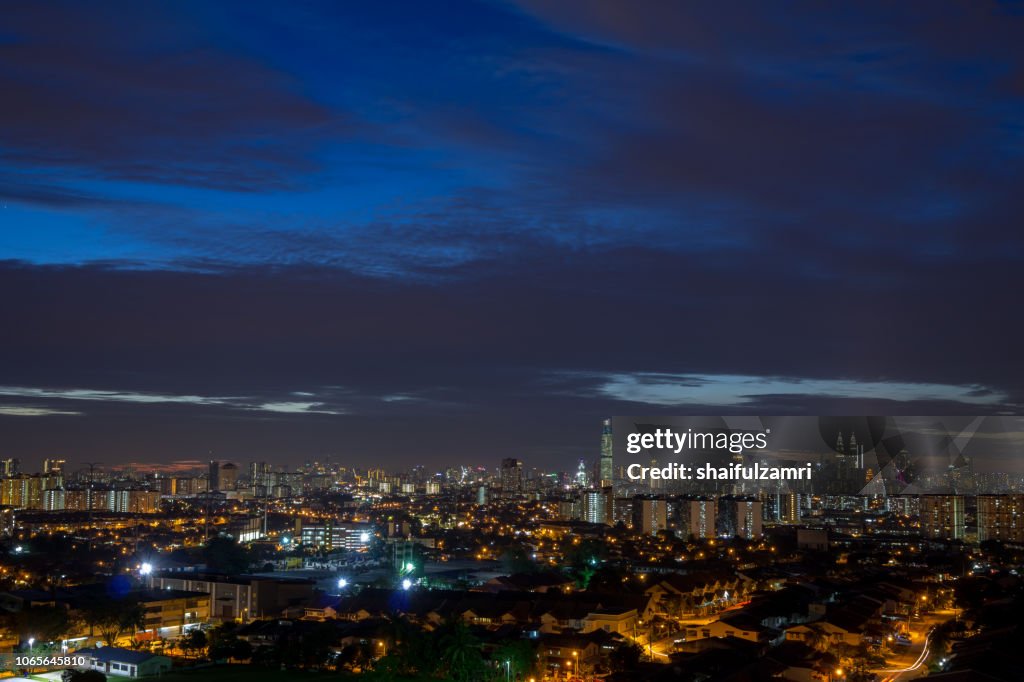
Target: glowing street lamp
pixel 406 584
pixel 146 568
pixel 342 583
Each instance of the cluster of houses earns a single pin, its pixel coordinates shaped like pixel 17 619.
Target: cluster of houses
pixel 699 618
pixel 791 624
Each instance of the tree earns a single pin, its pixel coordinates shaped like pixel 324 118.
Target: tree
pixel 315 645
pixel 71 675
pixel 224 555
pixel 410 650
pixel 520 655
pixel 223 643
pixel 814 638
pixel 626 656
pixel 859 672
pixel 608 579
pixel 193 642
pixel 356 656
pixel 460 651
pixel 517 560
pixel 583 559
pixel 42 623
pixel 112 617
pixel 241 650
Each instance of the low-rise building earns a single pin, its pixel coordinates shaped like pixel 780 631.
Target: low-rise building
pixel 243 597
pixel 118 662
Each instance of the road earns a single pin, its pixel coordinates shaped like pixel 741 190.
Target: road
pixel 912 664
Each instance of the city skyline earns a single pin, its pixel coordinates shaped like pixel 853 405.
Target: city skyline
pixel 254 232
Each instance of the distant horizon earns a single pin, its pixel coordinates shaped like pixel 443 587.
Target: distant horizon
pixel 1000 450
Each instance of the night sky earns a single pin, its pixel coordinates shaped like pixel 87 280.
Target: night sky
pixel 403 233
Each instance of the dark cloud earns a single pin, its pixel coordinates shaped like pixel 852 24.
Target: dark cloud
pixel 485 350
pixel 142 93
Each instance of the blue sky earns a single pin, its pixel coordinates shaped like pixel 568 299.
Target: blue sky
pixel 302 227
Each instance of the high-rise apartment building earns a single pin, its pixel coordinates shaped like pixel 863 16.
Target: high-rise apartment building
pixel 942 517
pixel 650 514
pixel 597 506
pixel 511 476
pixel 259 478
pixel 1001 517
pixel 739 516
pixel 223 476
pixel 697 517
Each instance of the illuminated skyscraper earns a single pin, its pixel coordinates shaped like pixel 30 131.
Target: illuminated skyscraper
pixel 605 470
pixel 582 480
pixel 595 506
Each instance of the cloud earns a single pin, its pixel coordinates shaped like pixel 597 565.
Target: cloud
pixel 109 396
pixel 167 468
pixel 148 398
pixel 731 391
pixel 32 411
pixel 145 94
pixel 296 408
pixel 518 217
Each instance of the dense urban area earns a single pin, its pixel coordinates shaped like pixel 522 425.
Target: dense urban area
pixel 507 572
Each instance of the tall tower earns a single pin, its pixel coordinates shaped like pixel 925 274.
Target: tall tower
pixel 605 470
pixel 581 475
pixel 214 483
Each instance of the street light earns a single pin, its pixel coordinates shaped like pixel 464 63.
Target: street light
pixel 576 658
pixel 31 643
pixel 342 583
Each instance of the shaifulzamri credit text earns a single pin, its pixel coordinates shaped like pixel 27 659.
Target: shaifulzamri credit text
pixel 707 472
